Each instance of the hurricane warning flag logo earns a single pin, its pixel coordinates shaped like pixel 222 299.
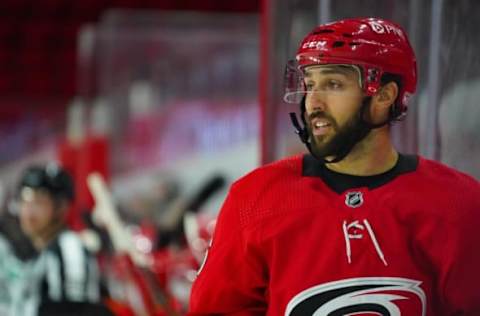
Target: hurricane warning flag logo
pixel 361 296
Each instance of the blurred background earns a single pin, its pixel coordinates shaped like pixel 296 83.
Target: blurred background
pixel 172 100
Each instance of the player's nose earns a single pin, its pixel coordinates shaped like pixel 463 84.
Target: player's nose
pixel 314 103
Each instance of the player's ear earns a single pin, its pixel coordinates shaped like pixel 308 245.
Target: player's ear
pixel 385 96
pixel 382 101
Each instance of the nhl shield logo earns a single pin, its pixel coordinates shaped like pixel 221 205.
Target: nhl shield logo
pixel 354 199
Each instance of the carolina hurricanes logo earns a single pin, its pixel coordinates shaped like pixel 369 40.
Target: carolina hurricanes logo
pixel 361 296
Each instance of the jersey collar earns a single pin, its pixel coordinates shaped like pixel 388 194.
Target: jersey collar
pixel 340 182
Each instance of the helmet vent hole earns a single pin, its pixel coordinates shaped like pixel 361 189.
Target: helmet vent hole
pixel 353 43
pixel 323 31
pixel 338 44
pixel 347 35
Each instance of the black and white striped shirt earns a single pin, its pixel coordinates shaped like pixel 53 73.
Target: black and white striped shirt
pixel 63 272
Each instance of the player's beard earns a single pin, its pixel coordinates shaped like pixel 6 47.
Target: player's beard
pixel 323 147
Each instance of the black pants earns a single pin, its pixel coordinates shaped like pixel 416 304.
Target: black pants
pixel 73 309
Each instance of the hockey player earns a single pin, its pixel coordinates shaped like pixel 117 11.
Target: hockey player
pixel 354 227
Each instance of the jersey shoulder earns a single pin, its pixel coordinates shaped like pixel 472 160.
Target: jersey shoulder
pixel 267 189
pixel 67 244
pixel 448 178
pixel 448 189
pixel 273 175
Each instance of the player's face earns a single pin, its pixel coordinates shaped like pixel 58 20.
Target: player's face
pixel 36 212
pixel 333 99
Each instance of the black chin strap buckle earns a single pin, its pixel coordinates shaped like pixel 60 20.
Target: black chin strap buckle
pixel 299 130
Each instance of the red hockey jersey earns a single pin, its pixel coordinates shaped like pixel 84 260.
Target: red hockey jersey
pixel 294 238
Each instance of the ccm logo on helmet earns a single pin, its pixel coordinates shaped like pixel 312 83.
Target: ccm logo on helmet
pixel 387 28
pixel 361 296
pixel 315 44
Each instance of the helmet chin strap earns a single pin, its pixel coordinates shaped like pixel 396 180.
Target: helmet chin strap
pixel 364 128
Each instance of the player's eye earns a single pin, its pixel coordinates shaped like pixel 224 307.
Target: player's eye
pixel 333 85
pixel 309 86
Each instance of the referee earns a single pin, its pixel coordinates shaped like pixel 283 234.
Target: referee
pixel 63 278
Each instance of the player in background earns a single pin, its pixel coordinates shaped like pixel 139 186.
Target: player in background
pixel 353 227
pixel 63 278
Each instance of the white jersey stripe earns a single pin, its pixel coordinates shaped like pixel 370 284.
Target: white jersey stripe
pixel 74 266
pixel 52 267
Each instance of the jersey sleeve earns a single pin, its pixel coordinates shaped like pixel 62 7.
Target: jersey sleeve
pixel 233 279
pixel 462 275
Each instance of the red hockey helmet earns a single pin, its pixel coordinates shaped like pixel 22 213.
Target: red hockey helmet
pixel 376 46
